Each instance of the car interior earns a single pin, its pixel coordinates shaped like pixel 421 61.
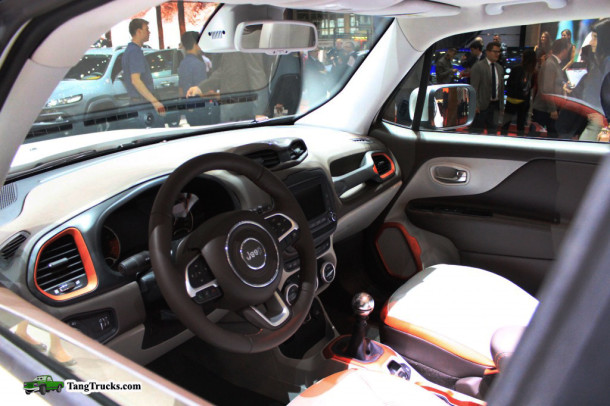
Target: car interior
pixel 321 224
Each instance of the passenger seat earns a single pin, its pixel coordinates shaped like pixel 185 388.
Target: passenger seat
pixel 443 319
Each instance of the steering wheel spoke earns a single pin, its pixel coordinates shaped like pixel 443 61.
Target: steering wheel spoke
pixel 285 228
pixel 270 315
pixel 201 284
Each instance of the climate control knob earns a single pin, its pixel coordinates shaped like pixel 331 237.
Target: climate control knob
pixel 327 272
pixel 291 293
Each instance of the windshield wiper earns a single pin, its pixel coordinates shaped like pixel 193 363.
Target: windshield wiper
pixel 54 163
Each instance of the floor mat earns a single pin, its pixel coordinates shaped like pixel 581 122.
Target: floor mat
pixel 180 368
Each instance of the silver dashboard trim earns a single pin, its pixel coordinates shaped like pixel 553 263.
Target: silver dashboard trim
pixel 192 292
pixel 278 319
pixel 293 225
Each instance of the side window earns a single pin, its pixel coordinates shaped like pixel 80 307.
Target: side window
pixel 117 67
pixel 539 81
pixel 400 110
pixel 161 64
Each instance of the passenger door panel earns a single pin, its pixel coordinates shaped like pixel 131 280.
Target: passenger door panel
pixel 511 215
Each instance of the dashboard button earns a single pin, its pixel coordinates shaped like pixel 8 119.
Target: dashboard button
pixel 279 224
pixel 327 272
pixel 208 294
pixel 198 273
pixel 291 293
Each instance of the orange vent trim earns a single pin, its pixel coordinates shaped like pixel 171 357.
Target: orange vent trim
pixel 83 251
pixel 392 166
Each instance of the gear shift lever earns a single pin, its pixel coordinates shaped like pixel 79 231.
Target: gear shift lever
pixel 362 304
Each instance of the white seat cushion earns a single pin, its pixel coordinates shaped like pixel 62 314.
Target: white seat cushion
pixel 458 308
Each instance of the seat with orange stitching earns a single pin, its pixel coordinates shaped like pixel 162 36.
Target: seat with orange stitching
pixel 443 318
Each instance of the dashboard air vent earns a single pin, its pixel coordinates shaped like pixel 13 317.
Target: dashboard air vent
pixel 383 165
pixel 266 157
pixel 7 251
pixel 297 149
pixel 61 269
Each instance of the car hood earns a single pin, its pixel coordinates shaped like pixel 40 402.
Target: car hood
pixel 72 87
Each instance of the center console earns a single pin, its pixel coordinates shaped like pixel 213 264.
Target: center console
pixel 314 194
pixel 390 362
pixel 357 351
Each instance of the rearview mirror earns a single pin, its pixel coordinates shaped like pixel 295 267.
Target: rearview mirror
pixel 275 37
pixel 446 106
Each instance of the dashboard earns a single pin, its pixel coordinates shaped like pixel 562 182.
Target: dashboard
pixel 101 209
pixel 125 230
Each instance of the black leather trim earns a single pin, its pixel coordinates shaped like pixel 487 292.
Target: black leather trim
pixel 429 354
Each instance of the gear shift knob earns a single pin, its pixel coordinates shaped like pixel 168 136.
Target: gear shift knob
pixel 359 347
pixel 363 304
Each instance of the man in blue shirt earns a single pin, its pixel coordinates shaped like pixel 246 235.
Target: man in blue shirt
pixel 138 79
pixel 192 69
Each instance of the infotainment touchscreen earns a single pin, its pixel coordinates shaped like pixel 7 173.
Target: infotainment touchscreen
pixel 311 199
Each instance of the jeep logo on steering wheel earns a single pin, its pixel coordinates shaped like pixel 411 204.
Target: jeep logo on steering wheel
pixel 253 253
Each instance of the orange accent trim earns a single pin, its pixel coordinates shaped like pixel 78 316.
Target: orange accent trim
pixel 451 396
pixel 451 346
pixel 87 264
pixel 378 365
pixel 411 243
pixel 391 171
pixel 491 371
pixel 457 399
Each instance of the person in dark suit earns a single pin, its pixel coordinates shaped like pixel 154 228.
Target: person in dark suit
pixel 551 81
pixel 444 68
pixel 503 49
pixel 476 54
pixel 518 91
pixel 487 78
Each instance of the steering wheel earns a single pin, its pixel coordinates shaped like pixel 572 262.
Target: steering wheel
pixel 233 260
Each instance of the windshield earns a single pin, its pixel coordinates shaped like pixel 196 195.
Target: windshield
pixel 148 77
pixel 91 67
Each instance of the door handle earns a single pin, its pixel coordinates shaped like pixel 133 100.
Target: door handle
pixel 450 175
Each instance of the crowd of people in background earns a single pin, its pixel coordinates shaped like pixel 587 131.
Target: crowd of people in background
pixel 197 78
pixel 557 90
pixel 553 92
